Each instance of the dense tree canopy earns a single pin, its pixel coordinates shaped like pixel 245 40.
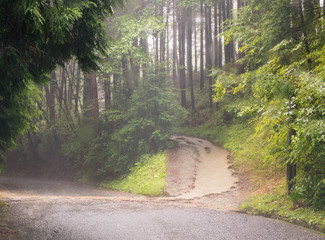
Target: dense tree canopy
pixel 35 37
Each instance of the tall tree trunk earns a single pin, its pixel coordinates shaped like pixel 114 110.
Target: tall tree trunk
pixel 156 38
pixel 86 94
pixel 229 48
pixel 175 57
pixel 189 54
pixel 231 43
pixel 226 46
pixel 64 84
pixel 91 108
pixel 305 34
pixel 135 67
pixel 76 97
pixel 291 167
pixel 115 86
pixel 241 67
pixel 162 36
pixel 208 40
pixel 144 45
pixel 127 77
pixel 60 96
pixel 220 54
pixel 107 90
pixel 167 38
pixel 201 47
pixel 52 96
pixel 47 96
pixel 195 40
pixel 181 43
pixel 156 42
pixel 71 79
pixel 216 39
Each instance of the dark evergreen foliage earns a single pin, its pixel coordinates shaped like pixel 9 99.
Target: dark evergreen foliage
pixel 35 37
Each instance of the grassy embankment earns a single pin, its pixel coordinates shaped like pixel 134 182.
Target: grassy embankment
pixel 147 177
pixel 250 155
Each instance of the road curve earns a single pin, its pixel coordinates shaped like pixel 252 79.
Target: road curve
pixel 62 210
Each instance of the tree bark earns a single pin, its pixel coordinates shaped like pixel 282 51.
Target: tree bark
pixel 64 84
pixel 167 38
pixel 201 47
pixel 208 40
pixel 135 67
pixel 162 36
pixel 195 40
pixel 216 39
pixel 181 43
pixel 144 45
pixel 51 102
pixel 189 54
pixel 175 57
pixel 220 54
pixel 229 47
pixel 305 34
pixel 91 95
pixel 107 90
pixel 115 87
pixel 76 98
pixel 71 79
pixel 291 167
pixel 127 77
pixel 47 96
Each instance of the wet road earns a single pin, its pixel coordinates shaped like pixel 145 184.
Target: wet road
pixel 62 210
pixel 134 220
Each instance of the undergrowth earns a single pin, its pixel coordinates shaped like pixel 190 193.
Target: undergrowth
pixel 277 204
pixel 147 177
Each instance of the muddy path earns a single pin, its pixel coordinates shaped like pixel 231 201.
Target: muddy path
pixel 204 165
pixel 201 172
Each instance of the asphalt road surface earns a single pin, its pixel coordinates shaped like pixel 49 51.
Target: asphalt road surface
pixel 62 210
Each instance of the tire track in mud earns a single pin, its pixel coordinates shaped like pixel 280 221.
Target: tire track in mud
pixel 205 164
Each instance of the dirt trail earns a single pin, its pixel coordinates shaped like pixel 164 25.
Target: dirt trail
pixel 198 168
